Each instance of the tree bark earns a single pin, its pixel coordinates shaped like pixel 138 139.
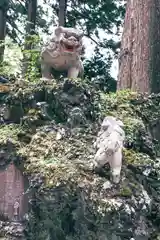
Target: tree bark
pixel 139 61
pixel 30 30
pixel 154 67
pixel 3 16
pixel 62 12
pixel 30 27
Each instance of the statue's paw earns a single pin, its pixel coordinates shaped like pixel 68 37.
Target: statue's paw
pixel 115 178
pixel 116 174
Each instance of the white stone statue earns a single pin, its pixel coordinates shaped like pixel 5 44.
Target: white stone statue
pixel 63 52
pixel 109 145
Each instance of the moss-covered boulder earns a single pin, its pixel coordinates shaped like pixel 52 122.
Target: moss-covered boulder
pixel 69 200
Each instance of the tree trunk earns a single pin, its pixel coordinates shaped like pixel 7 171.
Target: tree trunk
pixel 3 13
pixel 139 61
pixel 30 30
pixel 62 12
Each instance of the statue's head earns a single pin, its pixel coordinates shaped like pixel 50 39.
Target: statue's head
pixel 111 121
pixel 70 40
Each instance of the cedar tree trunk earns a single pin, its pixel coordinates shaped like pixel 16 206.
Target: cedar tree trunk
pixel 139 61
pixel 3 13
pixel 30 30
pixel 62 12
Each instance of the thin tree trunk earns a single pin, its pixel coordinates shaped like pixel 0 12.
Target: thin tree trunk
pixel 3 12
pixel 62 12
pixel 154 67
pixel 30 30
pixel 139 61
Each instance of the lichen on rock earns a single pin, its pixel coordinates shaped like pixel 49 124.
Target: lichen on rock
pixel 69 200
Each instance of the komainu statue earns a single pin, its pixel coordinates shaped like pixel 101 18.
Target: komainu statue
pixel 63 53
pixel 109 145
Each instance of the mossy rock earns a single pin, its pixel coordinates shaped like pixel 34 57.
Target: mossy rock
pixel 69 200
pixel 136 158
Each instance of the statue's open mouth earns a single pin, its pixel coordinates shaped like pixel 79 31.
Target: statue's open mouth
pixel 69 45
pixel 68 48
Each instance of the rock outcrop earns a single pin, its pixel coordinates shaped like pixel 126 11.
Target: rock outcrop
pixel 68 200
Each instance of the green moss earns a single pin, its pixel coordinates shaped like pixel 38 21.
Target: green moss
pixel 120 97
pixel 9 132
pixel 64 163
pixel 119 104
pixel 136 158
pixel 138 113
pixel 126 192
pixel 55 159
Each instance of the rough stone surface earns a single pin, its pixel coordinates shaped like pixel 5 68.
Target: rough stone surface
pixel 13 201
pixel 12 231
pixel 69 200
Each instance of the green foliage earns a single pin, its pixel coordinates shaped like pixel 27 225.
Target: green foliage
pixel 93 18
pixel 4 4
pixel 15 18
pixel 96 16
pixel 31 60
pixel 97 70
pixel 12 59
pixel 17 60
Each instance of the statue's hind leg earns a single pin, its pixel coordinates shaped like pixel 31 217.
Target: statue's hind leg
pixel 76 71
pixel 115 162
pixel 73 72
